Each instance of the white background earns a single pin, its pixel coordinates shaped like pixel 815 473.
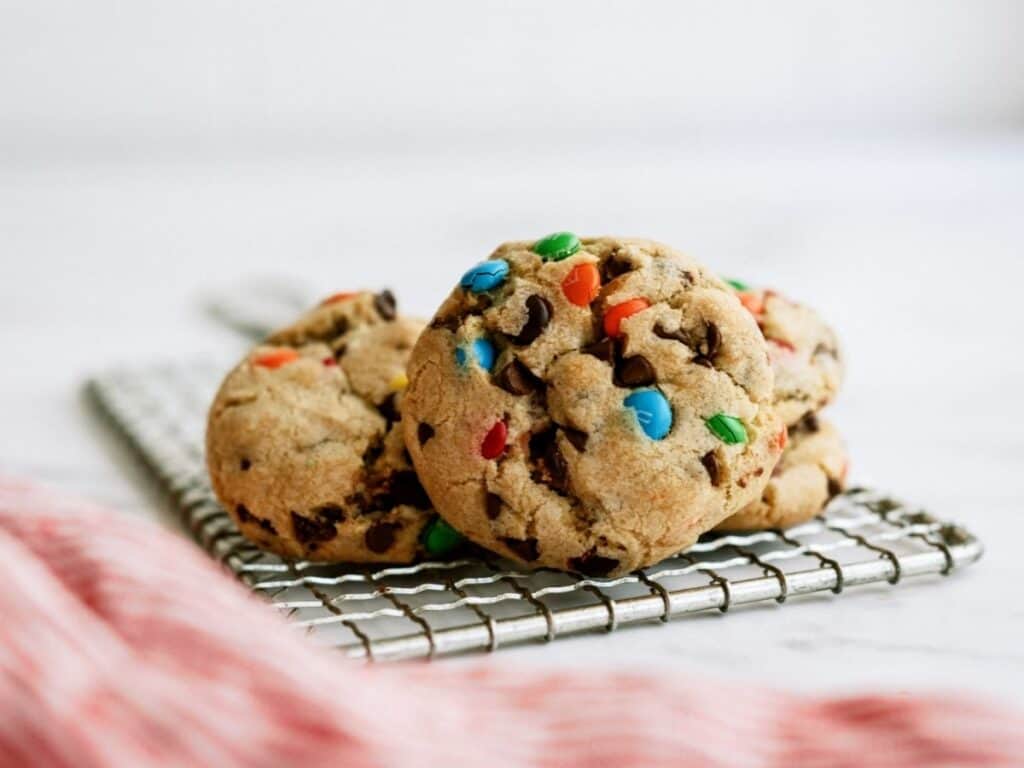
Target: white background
pixel 867 158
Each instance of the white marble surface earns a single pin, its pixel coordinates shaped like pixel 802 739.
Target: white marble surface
pixel 913 249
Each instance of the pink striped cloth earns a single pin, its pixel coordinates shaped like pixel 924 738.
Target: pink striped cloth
pixel 123 645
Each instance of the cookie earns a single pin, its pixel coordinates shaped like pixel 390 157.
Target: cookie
pixel 304 444
pixel 811 471
pixel 804 351
pixel 592 405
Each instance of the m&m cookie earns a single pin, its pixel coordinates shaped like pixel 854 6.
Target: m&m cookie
pixel 591 405
pixel 804 351
pixel 304 441
pixel 811 471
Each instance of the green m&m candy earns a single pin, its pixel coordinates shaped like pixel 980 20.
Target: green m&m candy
pixel 560 245
pixel 439 538
pixel 728 429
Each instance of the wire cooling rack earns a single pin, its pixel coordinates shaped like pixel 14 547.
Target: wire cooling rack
pixel 481 603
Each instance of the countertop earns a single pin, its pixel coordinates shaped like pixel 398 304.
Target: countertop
pixel 913 249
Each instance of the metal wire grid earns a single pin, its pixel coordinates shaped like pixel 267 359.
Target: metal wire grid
pixel 481 603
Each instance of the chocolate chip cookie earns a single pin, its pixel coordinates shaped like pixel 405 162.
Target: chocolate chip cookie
pixel 304 444
pixel 591 405
pixel 811 471
pixel 804 351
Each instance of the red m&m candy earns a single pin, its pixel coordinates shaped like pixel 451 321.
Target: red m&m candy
pixel 494 443
pixel 615 315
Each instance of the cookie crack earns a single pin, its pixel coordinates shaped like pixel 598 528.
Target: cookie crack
pixel 313 446
pixel 677 302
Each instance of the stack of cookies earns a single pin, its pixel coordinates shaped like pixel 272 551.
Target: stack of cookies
pixel 587 405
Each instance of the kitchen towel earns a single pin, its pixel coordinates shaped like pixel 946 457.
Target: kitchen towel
pixel 121 644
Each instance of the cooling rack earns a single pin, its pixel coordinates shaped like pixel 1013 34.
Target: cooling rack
pixel 482 603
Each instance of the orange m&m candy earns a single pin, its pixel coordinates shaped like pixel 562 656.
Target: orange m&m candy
pixel 276 358
pixel 752 301
pixel 582 284
pixel 334 298
pixel 615 315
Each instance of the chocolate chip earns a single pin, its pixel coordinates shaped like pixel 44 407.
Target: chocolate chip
pixel 677 335
pixel 373 451
pixel 516 379
pixel 710 462
pixel 614 266
pixel 558 470
pixel 448 323
pixel 540 442
pixel 385 304
pixel 379 498
pixel 635 371
pixel 424 432
pixel 825 349
pixel 705 350
pixel 834 487
pixel 493 506
pixel 808 423
pixel 478 302
pixel 713 340
pixel 380 536
pixel 407 489
pixel 538 315
pixel 341 326
pixel 551 469
pixel 245 465
pixel 245 516
pixel 389 409
pixel 526 549
pixel 602 350
pixel 577 438
pixel 592 564
pixel 308 530
pixel 330 513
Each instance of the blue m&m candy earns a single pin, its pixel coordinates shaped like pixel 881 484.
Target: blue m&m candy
pixel 653 412
pixel 485 276
pixel 480 351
